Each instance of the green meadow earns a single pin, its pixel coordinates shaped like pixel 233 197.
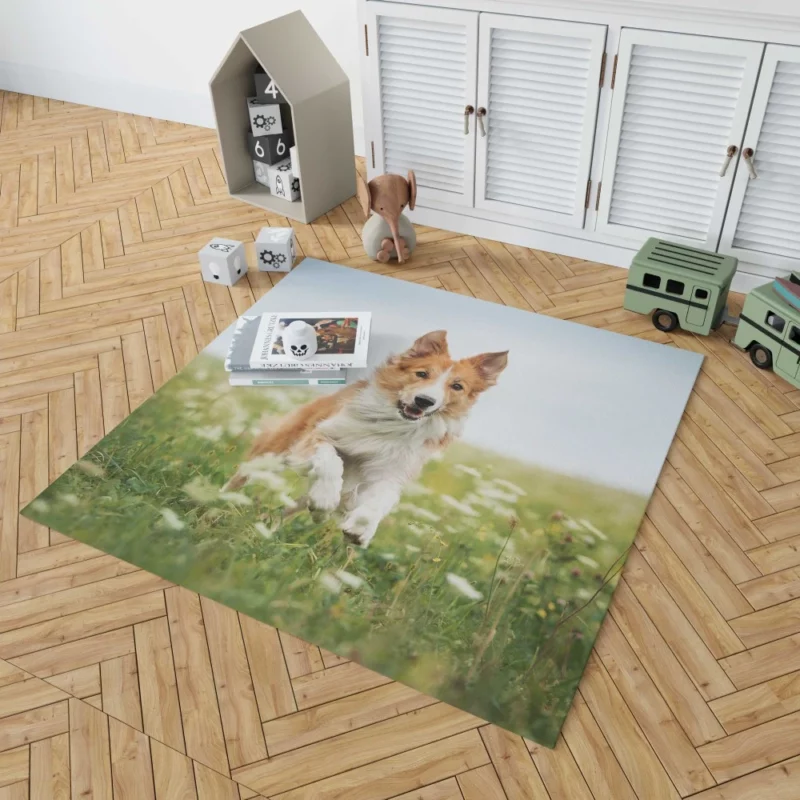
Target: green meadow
pixel 485 588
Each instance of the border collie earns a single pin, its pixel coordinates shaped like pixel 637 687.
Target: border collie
pixel 366 441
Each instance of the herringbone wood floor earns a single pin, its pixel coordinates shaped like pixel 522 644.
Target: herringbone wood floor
pixel 115 684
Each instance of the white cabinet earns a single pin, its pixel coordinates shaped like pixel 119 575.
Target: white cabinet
pixel 538 85
pixel 679 103
pixel 762 225
pixel 423 79
pixel 588 134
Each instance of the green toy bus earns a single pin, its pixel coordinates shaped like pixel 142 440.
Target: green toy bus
pixel 684 287
pixel 681 286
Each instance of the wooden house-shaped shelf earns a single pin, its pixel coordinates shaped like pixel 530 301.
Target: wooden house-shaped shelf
pixel 318 91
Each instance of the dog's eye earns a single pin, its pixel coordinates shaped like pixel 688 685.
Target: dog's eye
pixel 421 374
pixel 456 386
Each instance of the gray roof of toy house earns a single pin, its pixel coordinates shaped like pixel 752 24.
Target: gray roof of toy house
pixel 291 52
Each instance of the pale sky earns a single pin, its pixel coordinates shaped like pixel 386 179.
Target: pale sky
pixel 573 399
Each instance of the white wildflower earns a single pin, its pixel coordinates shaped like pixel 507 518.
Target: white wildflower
pixel 464 586
pixel 584 594
pixel 331 583
pixel 347 578
pixel 201 491
pixel 40 505
pixel 286 501
pixel 237 498
pixel 589 527
pixel 467 470
pixel 459 506
pixel 512 487
pixel 69 499
pixel 423 513
pixel 417 530
pixel 413 548
pixel 415 487
pixel 172 520
pixel 588 562
pixel 271 479
pixel 266 532
pixel 588 539
pixel 269 462
pixel 487 490
pixel 571 525
pixel 387 556
pixel 213 434
pixel 90 468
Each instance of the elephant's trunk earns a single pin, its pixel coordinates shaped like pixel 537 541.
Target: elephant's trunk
pixel 393 227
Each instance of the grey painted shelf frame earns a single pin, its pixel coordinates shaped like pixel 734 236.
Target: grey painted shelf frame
pixel 318 91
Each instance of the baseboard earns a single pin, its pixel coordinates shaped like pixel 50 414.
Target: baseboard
pixel 746 278
pixel 130 98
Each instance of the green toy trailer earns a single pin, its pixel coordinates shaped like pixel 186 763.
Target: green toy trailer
pixel 688 288
pixel 680 286
pixel 769 329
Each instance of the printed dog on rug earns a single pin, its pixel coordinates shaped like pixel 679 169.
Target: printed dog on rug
pixel 364 443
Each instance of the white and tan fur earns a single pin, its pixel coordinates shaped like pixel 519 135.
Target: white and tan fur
pixel 366 441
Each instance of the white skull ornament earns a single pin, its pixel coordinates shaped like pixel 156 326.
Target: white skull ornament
pixel 299 339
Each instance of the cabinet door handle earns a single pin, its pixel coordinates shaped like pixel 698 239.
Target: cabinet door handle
pixel 468 110
pixel 481 114
pixel 732 150
pixel 747 155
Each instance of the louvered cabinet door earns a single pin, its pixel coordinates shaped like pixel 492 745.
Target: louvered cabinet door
pixel 762 225
pixel 679 102
pixel 538 84
pixel 422 66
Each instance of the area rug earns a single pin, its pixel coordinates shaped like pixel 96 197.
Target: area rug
pixel 487 579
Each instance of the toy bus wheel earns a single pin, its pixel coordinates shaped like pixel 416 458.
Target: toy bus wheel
pixel 761 357
pixel 665 320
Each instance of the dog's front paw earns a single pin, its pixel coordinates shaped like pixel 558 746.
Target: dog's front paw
pixel 359 528
pixel 325 495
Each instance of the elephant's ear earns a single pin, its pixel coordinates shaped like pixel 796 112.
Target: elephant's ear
pixel 363 194
pixel 412 189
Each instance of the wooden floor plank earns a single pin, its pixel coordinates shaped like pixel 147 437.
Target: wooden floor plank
pixel 101 303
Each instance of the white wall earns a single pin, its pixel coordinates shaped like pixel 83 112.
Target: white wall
pixel 151 57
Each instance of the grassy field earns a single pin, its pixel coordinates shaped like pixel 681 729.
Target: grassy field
pixel 485 587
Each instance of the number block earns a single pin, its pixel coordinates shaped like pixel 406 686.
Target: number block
pixel 275 249
pixel 261 172
pixel 268 117
pixel 267 90
pixel 222 261
pixel 270 149
pixel 282 183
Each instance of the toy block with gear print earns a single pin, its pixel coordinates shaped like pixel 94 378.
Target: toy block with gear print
pixel 268 118
pixel 275 250
pixel 222 261
pixel 282 183
pixel 271 148
pixel 266 88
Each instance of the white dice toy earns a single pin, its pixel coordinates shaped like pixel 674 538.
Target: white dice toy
pixel 222 261
pixel 282 183
pixel 267 118
pixel 275 250
pixel 261 171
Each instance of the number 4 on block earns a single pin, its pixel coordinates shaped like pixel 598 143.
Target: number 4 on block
pixel 267 89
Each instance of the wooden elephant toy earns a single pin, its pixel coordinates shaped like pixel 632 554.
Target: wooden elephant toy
pixel 387 232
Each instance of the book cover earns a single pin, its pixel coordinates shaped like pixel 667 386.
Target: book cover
pixel 341 340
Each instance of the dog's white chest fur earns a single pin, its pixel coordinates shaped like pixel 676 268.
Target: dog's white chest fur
pixel 371 432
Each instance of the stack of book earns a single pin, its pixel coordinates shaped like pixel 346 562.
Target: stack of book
pixel 257 355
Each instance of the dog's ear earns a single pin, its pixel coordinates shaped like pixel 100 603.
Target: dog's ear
pixel 490 365
pixel 433 343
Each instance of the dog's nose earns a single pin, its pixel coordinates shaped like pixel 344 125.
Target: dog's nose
pixel 423 401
